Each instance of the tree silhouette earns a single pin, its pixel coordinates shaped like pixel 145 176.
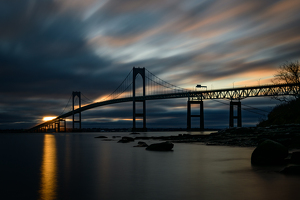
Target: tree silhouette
pixel 288 73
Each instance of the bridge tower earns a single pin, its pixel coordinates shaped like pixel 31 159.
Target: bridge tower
pixel 140 71
pixel 59 126
pixel 238 115
pixel 78 121
pixel 189 113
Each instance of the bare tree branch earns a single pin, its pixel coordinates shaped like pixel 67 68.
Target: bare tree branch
pixel 289 72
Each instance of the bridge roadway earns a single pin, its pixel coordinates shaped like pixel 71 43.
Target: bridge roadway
pixel 230 93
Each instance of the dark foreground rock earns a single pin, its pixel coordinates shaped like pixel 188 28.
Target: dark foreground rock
pixel 295 158
pixel 269 152
pixel 107 139
pixel 163 146
pixel 141 144
pixel 291 170
pixel 126 140
pixel 101 136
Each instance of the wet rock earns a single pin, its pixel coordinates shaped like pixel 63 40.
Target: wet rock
pixel 269 152
pixel 126 140
pixel 295 158
pixel 141 144
pixel 292 170
pixel 164 146
pixel 107 139
pixel 134 133
pixel 101 136
pixel 241 130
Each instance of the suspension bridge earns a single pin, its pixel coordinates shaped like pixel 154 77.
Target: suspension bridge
pixel 154 88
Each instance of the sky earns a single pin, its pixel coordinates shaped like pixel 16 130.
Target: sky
pixel 49 48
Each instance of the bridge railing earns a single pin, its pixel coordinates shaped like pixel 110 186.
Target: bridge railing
pixel 237 93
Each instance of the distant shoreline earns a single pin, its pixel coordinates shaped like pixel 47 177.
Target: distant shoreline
pixel 114 130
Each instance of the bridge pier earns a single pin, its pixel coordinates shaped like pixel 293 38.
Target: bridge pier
pixel 59 126
pixel 78 94
pixel 189 114
pixel 238 115
pixel 140 71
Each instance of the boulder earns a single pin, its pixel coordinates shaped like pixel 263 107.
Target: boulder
pixel 126 139
pixel 164 146
pixel 269 152
pixel 141 144
pixel 293 170
pixel 101 136
pixel 295 158
pixel 107 139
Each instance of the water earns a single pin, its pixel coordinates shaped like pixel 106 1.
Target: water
pixel 78 166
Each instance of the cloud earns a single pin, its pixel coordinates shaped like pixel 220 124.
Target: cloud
pixel 50 48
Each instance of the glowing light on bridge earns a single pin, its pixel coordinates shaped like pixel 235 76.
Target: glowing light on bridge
pixel 48 118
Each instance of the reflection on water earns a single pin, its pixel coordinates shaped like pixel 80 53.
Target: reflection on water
pixel 77 166
pixel 48 183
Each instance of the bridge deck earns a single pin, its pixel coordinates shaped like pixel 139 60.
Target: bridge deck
pixel 230 93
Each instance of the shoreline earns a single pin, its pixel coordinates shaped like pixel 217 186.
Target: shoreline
pixel 288 135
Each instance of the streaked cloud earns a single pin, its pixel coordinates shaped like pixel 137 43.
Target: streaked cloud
pixel 50 48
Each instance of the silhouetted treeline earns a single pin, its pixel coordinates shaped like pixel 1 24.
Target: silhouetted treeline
pixel 285 113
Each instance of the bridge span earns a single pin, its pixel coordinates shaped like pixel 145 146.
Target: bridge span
pixel 127 87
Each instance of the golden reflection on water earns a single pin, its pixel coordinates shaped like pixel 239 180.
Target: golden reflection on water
pixel 48 183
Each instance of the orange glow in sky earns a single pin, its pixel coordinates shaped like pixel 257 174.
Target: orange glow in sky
pixel 48 118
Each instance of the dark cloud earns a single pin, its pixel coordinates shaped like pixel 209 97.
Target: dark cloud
pixel 50 48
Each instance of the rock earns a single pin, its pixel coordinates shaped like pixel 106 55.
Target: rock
pixel 134 133
pixel 164 146
pixel 141 144
pixel 295 158
pixel 241 130
pixel 101 136
pixel 293 170
pixel 126 140
pixel 107 139
pixel 269 152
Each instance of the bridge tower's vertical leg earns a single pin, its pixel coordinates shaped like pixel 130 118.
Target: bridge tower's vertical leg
pixel 238 116
pixel 189 114
pixel 78 94
pixel 57 126
pixel 51 127
pixel 65 125
pixel 140 71
pixel 61 126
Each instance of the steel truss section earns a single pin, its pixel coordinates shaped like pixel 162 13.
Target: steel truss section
pixel 232 94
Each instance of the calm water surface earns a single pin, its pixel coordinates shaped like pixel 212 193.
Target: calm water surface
pixel 78 166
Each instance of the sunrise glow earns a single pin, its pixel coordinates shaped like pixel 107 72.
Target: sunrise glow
pixel 48 118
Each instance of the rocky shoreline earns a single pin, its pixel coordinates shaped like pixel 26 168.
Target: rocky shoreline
pixel 288 135
pixel 275 145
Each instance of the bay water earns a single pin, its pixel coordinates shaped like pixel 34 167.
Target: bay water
pixel 78 166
